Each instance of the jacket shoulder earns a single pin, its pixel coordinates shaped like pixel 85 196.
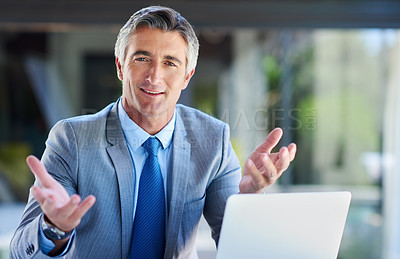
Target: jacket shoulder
pixel 192 117
pixel 91 118
pixel 84 127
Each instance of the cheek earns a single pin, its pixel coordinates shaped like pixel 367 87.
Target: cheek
pixel 128 86
pixel 130 77
pixel 176 81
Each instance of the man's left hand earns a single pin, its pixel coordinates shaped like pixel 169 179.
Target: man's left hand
pixel 263 168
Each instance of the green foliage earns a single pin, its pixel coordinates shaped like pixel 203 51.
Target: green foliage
pixel 14 168
pixel 273 72
pixel 205 98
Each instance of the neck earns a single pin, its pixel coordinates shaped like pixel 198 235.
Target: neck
pixel 151 124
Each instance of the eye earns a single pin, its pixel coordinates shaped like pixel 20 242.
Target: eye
pixel 169 63
pixel 141 59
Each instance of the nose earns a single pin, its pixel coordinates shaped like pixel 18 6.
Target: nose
pixel 154 74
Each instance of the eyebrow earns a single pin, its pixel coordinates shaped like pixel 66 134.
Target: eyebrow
pixel 141 52
pixel 147 54
pixel 174 59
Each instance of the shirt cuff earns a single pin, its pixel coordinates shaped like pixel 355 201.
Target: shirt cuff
pixel 46 245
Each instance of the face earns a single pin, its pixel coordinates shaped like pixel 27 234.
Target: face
pixel 153 74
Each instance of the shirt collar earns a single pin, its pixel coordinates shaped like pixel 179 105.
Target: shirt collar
pixel 136 136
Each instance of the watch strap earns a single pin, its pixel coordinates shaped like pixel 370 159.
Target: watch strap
pixel 51 231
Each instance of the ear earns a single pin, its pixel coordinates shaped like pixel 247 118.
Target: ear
pixel 187 79
pixel 119 69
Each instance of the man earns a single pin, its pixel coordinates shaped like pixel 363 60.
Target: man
pixel 104 158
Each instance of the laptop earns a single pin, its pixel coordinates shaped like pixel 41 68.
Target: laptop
pixel 283 226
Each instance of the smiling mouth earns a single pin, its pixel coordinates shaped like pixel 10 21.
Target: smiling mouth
pixel 151 92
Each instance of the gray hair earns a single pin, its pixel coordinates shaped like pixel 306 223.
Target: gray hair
pixel 163 18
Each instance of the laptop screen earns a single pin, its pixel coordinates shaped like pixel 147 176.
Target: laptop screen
pixel 287 225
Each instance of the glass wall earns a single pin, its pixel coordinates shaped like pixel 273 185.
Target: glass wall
pixel 329 91
pixel 334 110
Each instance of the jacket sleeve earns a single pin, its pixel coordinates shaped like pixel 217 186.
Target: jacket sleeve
pixel 224 184
pixel 58 158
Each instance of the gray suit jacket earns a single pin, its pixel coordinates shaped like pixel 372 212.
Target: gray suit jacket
pixel 89 155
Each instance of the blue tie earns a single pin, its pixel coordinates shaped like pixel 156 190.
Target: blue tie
pixel 148 235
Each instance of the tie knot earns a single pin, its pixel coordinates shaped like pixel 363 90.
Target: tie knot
pixel 151 145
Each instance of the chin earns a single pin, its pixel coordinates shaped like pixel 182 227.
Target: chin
pixel 154 112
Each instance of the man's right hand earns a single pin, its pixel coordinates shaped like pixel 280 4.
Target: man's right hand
pixel 63 211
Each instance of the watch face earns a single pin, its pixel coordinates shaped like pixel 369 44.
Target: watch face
pixel 54 233
pixel 51 233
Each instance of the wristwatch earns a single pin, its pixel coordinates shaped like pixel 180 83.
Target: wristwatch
pixel 52 232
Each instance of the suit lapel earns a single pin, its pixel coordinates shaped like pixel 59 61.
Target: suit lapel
pixel 119 154
pixel 177 185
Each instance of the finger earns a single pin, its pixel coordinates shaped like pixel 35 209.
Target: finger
pixel 40 171
pixel 269 171
pixel 283 161
pixel 42 194
pixel 255 175
pixel 65 211
pixel 271 141
pixel 60 216
pixel 69 216
pixel 81 210
pixel 292 151
pixel 38 194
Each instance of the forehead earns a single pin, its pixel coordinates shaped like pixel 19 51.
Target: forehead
pixel 145 38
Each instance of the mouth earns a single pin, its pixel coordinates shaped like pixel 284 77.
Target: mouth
pixel 151 92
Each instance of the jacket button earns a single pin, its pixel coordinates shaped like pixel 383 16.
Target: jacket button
pixel 30 249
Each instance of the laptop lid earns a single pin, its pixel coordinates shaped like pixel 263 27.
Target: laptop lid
pixel 286 225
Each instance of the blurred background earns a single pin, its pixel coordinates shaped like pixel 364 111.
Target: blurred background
pixel 327 72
